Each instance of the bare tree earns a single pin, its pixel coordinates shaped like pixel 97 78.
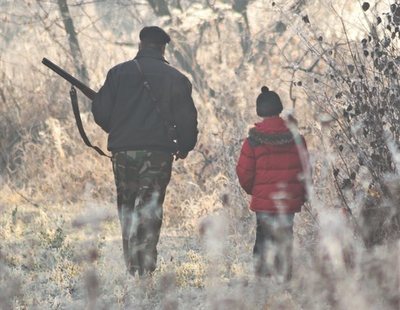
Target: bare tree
pixel 240 6
pixel 160 7
pixel 73 41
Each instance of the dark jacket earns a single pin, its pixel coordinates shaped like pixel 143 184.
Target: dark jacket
pixel 270 168
pixel 124 109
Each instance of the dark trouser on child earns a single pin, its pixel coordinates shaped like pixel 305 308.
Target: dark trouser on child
pixel 273 247
pixel 141 178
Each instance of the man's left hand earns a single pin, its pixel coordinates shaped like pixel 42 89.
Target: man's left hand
pixel 180 155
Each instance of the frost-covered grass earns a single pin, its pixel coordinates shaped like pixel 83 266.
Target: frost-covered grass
pixel 70 257
pixel 60 243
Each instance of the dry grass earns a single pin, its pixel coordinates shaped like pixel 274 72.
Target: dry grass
pixel 60 237
pixel 70 256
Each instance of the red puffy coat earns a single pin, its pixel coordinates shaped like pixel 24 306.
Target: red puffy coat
pixel 270 168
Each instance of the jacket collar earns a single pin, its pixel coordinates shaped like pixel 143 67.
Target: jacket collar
pixel 272 131
pixel 280 138
pixel 150 53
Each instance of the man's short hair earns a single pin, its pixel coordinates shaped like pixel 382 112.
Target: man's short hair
pixel 154 35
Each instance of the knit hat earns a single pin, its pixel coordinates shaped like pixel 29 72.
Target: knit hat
pixel 268 103
pixel 154 35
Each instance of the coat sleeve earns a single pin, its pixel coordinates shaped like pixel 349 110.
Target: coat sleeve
pixel 184 114
pixel 246 167
pixel 103 103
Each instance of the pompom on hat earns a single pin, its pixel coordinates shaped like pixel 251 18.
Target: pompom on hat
pixel 154 35
pixel 268 103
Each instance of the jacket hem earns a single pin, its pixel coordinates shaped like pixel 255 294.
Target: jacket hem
pixel 139 148
pixel 287 211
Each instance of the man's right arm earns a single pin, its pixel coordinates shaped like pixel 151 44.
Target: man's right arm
pixel 103 103
pixel 185 115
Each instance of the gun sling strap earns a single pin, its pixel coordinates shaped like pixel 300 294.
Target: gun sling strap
pixel 75 109
pixel 168 126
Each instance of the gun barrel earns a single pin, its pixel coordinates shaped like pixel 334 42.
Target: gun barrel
pixel 88 92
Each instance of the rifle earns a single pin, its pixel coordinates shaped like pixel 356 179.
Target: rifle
pixel 87 91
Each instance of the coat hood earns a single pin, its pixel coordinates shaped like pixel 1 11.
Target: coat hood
pixel 272 131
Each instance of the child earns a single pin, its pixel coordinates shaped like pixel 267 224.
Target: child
pixel 270 168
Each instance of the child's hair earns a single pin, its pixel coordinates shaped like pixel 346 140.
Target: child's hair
pixel 268 103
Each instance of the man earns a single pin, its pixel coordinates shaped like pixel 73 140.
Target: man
pixel 139 121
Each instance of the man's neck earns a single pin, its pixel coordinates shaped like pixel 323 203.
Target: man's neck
pixel 150 52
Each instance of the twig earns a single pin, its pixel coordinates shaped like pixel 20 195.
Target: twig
pixel 36 205
pixel 310 212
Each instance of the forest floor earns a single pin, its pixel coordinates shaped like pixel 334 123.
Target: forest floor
pixel 70 257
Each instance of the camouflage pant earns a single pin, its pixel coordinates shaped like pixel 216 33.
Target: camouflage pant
pixel 141 178
pixel 274 242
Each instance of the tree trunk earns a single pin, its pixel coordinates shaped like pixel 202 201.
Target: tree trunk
pixel 160 7
pixel 73 42
pixel 240 6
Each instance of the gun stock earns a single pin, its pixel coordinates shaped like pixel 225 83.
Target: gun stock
pixel 87 91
